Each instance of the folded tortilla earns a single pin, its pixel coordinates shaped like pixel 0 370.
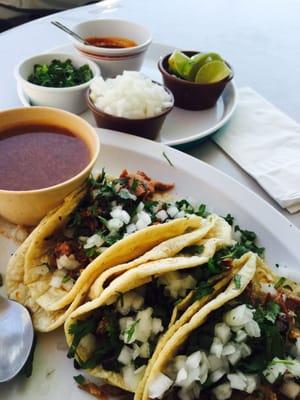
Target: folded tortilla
pixel 143 274
pixel 252 272
pixel 49 305
pixel 212 227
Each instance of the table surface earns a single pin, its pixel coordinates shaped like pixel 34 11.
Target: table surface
pixel 261 38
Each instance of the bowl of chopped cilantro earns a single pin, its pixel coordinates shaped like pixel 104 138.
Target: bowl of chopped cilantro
pixel 57 80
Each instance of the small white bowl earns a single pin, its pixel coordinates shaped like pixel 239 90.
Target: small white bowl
pixel 71 99
pixel 114 61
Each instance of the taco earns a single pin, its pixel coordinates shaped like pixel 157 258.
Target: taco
pixel 115 335
pixel 243 344
pixel 107 222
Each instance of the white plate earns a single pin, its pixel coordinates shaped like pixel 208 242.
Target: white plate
pixel 181 126
pixel 52 371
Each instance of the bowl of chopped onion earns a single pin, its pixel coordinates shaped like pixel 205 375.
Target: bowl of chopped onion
pixel 130 103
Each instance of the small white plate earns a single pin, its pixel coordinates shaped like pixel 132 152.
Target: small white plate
pixel 181 126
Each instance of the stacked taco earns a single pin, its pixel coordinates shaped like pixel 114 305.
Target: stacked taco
pixel 116 335
pixel 105 223
pixel 242 344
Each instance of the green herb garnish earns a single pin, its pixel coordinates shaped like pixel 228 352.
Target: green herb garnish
pixel 280 282
pixel 66 278
pixel 129 332
pixel 60 74
pixel 202 290
pixel 237 281
pixel 79 379
pixel 167 158
pixel 193 250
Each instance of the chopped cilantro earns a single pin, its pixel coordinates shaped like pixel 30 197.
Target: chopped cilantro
pixel 79 379
pixel 237 281
pixel 184 205
pixel 229 218
pixel 280 282
pixel 203 289
pixel 80 329
pixel 193 250
pixel 272 311
pixel 66 278
pixel 201 210
pixel 92 252
pixel 213 266
pixel 167 158
pixel 129 332
pixel 135 184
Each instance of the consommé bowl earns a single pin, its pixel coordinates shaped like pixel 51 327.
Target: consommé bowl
pixel 28 207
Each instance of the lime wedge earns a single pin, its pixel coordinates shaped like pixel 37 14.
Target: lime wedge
pixel 178 62
pixel 213 71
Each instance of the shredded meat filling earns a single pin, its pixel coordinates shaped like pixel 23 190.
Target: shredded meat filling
pixel 145 186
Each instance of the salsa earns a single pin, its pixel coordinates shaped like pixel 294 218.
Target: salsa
pixel 38 156
pixel 111 42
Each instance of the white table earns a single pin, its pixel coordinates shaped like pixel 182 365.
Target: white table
pixel 261 38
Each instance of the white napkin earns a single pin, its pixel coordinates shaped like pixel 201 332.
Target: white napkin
pixel 265 142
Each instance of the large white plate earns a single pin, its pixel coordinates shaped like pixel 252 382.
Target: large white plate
pixel 52 371
pixel 181 126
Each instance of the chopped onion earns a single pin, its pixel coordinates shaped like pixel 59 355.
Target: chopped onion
pixel 92 241
pixel 268 288
pixel 172 211
pixel 181 214
pixel 143 327
pixel 252 328
pixel 88 343
pixel 217 375
pixel 241 336
pixel 216 347
pixel 162 215
pixel 222 392
pixel 56 281
pixel 68 284
pixel 158 386
pixel 157 326
pixel 245 350
pixel 145 350
pixel 67 262
pixel 181 377
pixel 238 316
pixel 237 381
pixel 252 382
pixel 131 228
pixel 228 349
pixel 194 359
pixel 126 355
pixel 130 95
pixel 114 224
pixel 222 331
pixel 217 363
pixel 235 357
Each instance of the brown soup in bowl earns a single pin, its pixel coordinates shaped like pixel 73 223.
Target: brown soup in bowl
pixel 34 156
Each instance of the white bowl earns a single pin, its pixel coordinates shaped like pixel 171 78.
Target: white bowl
pixel 114 61
pixel 71 99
